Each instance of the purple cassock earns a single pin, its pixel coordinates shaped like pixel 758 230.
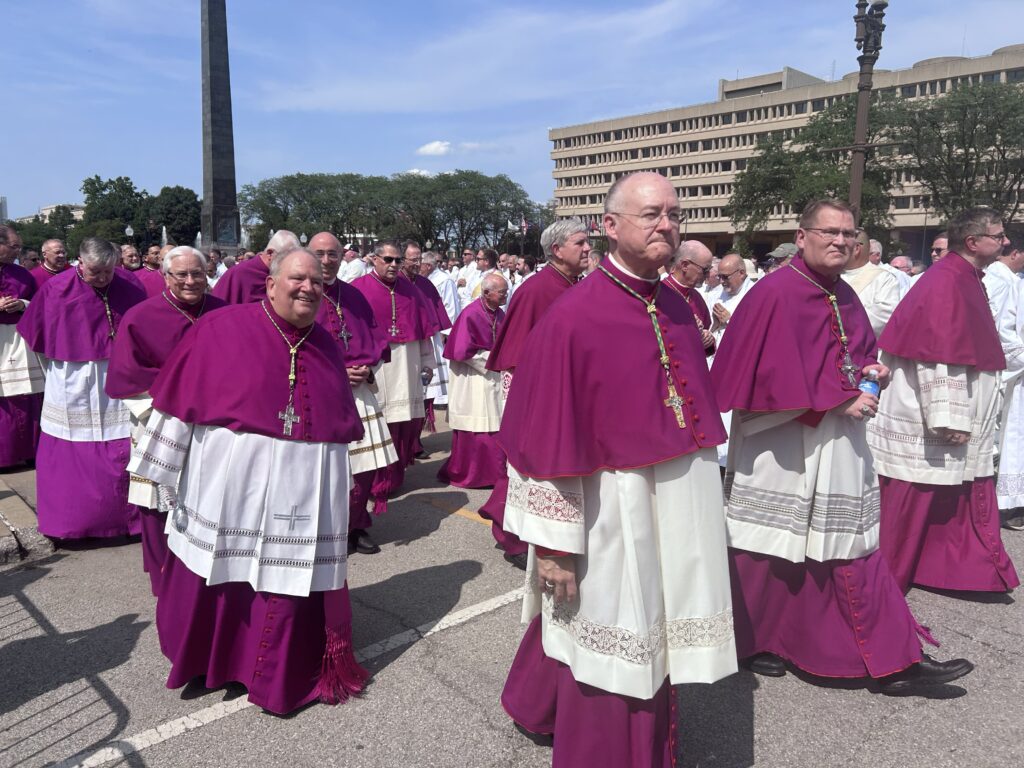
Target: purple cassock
pixel 945 536
pixel 350 321
pixel 19 414
pixel 244 283
pixel 697 304
pixel 153 281
pixel 415 320
pixel 597 342
pixel 528 304
pixel 81 483
pixel 148 334
pixel 782 352
pixel 231 370
pixel 476 459
pixel 43 273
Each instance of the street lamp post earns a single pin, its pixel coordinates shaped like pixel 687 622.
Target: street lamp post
pixel 869 43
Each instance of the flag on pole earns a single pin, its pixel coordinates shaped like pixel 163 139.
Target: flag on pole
pixel 523 226
pixel 511 227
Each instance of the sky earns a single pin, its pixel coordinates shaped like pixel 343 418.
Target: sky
pixel 112 87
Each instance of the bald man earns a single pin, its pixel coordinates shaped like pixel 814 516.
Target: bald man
pixel 688 268
pixel 877 289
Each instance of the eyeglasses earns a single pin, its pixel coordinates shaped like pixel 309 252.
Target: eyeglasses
pixel 181 277
pixel 726 276
pixel 833 234
pixel 391 259
pixel 329 255
pixel 999 237
pixel 937 250
pixel 705 270
pixel 651 220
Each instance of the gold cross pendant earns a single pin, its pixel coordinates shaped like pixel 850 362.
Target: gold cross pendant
pixel 675 402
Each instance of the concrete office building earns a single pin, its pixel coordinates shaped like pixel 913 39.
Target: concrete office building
pixel 701 148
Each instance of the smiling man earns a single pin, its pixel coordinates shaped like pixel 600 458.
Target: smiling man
pixel 809 584
pixel 82 488
pixel 149 333
pixel 55 261
pixel 934 439
pixel 254 591
pixel 610 430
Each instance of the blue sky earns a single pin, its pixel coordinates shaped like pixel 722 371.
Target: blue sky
pixel 111 87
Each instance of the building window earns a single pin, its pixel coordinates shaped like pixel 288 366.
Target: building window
pixel 741 117
pixel 990 77
pixel 817 105
pixel 1015 76
pixel 901 203
pixel 727 118
pixel 801 107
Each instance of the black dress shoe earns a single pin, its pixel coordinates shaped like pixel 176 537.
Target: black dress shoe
pixel 767 664
pixel 926 673
pixel 360 541
pixel 519 561
pixel 540 739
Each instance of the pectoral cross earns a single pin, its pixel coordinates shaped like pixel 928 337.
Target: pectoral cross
pixel 675 402
pixel 849 369
pixel 288 417
pixel 292 518
pixel 394 330
pixel 344 335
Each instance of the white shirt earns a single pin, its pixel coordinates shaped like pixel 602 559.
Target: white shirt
pixel 878 290
pixel 449 292
pixel 350 270
pixel 1004 297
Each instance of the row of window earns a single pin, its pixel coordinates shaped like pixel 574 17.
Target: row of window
pixel 672 171
pixel 703 190
pixel 777 112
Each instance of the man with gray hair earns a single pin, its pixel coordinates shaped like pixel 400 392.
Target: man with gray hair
pixel 566 245
pixel 934 438
pixel 55 261
pixel 148 335
pixel 82 486
pixel 877 288
pixel 686 272
pixel 248 281
pixel 875 252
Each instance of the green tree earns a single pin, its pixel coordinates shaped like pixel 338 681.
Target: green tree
pixel 178 209
pixel 62 220
pixel 790 170
pixel 966 148
pixel 35 232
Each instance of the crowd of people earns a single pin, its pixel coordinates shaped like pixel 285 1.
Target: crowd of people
pixel 700 462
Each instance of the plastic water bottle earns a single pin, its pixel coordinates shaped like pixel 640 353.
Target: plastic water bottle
pixel 869 383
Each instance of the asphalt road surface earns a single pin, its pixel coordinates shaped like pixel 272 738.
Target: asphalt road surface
pixel 437 623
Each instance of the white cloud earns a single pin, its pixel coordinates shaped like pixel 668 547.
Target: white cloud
pixel 435 149
pixel 419 172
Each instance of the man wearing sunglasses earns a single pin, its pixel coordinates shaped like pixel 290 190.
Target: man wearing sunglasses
pixel 408 322
pixel 687 272
pixel 934 437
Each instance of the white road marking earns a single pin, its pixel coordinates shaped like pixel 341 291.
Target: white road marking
pixel 174 728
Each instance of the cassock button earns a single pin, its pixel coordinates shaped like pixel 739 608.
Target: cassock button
pixel 671 347
pixel 696 417
pixel 689 401
pixel 682 382
pixel 302 381
pixel 700 435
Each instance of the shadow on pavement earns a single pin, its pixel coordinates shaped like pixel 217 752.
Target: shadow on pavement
pixel 984 598
pixel 416 516
pixel 414 602
pixel 716 723
pixel 47 660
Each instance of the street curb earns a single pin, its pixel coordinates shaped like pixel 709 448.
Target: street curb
pixel 19 540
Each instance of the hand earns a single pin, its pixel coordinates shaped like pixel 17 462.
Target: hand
pixel 884 374
pixel 357 374
pixel 865 406
pixel 707 338
pixel 461 283
pixel 11 304
pixel 560 571
pixel 954 436
pixel 721 314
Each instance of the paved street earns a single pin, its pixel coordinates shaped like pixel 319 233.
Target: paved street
pixel 436 619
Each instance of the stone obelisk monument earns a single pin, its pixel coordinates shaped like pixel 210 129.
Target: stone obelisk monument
pixel 220 224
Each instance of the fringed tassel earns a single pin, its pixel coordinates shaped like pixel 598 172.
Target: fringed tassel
pixel 380 505
pixel 340 676
pixel 429 408
pixel 926 634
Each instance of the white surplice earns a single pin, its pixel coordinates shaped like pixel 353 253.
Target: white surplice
pixel 21 369
pixel 476 400
pixel 1006 297
pixel 248 508
pixel 399 385
pixel 878 290
pixel 800 492
pixel 438 388
pixel 654 596
pixel 76 406
pixel 375 450
pixel 922 398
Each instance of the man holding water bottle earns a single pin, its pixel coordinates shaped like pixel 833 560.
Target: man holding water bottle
pixel 810 588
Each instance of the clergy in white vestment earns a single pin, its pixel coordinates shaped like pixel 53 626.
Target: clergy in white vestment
pixel 1003 285
pixel 352 266
pixel 21 371
pixel 877 288
pixel 934 438
pixel 256 480
pixel 734 285
pixel 437 389
pixel 610 428
pixel 84 446
pixel 466 276
pixel 810 587
pixel 474 411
